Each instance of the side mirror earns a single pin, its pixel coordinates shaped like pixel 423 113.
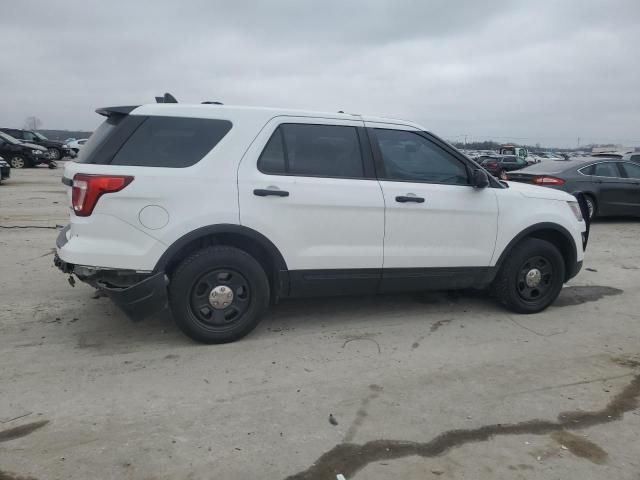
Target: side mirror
pixel 480 178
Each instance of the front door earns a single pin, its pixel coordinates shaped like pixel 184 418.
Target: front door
pixel 309 186
pixel 631 187
pixel 436 223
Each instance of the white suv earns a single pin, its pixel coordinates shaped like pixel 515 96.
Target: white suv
pixel 221 210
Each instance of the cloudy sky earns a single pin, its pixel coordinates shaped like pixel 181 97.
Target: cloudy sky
pixel 527 71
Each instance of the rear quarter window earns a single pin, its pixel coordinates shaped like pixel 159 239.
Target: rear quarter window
pixel 171 142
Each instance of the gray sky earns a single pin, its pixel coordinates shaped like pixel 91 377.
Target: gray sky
pixel 528 71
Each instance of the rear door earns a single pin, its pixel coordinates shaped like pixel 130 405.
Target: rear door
pixel 308 185
pixel 632 187
pixel 435 220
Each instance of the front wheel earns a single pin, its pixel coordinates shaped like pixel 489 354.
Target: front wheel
pixel 54 153
pixel 218 294
pixel 18 161
pixel 531 277
pixel 52 165
pixel 591 206
pixel 503 175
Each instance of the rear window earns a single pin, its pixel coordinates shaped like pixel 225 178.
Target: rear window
pixel 171 142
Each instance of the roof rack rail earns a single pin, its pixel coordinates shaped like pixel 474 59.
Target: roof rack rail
pixel 167 98
pixel 211 103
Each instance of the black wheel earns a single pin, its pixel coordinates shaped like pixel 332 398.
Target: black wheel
pixel 52 165
pixel 531 277
pixel 502 175
pixel 18 161
pixel 218 294
pixel 54 153
pixel 591 205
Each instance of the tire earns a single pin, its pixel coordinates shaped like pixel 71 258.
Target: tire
pixel 54 153
pixel 52 165
pixel 592 206
pixel 514 285
pixel 502 175
pixel 221 269
pixel 18 161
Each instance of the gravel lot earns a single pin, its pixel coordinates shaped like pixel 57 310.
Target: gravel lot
pixel 421 386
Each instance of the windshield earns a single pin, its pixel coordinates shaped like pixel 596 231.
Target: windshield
pixel 8 138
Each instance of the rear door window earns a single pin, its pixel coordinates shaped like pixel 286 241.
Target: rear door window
pixel 606 169
pixel 311 150
pixel 172 142
pixel 632 170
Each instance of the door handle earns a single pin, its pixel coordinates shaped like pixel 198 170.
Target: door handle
pixel 407 198
pixel 262 192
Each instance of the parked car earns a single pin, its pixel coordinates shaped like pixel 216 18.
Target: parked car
pixel 221 210
pixel 5 169
pixel 611 186
pixel 632 157
pixel 57 150
pixel 22 155
pixel 498 166
pixel 76 145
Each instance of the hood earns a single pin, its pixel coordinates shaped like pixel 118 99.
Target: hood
pixel 33 146
pixel 52 143
pixel 535 191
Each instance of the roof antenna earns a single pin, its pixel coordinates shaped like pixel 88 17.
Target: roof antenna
pixel 167 98
pixel 212 103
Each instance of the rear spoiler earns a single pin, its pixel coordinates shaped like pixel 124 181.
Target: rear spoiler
pixel 113 111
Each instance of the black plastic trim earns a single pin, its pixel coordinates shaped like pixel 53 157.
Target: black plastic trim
pixel 436 278
pixel 280 266
pixel 67 181
pixel 142 299
pixel 370 281
pixel 572 264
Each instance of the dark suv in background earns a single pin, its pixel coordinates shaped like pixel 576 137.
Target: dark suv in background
pixel 57 150
pixel 23 155
pixel 499 165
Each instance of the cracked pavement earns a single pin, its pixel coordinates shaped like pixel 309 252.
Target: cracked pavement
pixel 85 393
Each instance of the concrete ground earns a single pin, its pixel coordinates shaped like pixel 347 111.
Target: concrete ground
pixel 422 386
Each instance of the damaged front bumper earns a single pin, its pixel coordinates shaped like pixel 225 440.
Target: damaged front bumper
pixel 138 294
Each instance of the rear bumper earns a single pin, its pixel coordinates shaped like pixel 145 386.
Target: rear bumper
pixel 142 299
pixel 139 295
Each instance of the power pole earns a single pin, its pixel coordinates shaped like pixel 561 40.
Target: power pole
pixel 578 142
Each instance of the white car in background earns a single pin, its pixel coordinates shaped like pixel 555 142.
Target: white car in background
pixel 76 145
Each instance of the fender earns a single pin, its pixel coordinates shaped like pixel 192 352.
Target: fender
pixel 280 265
pixel 571 262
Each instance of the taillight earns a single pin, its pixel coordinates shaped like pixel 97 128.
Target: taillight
pixel 87 189
pixel 548 181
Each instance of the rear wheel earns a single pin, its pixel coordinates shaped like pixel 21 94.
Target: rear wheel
pixel 218 294
pixel 531 278
pixel 18 161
